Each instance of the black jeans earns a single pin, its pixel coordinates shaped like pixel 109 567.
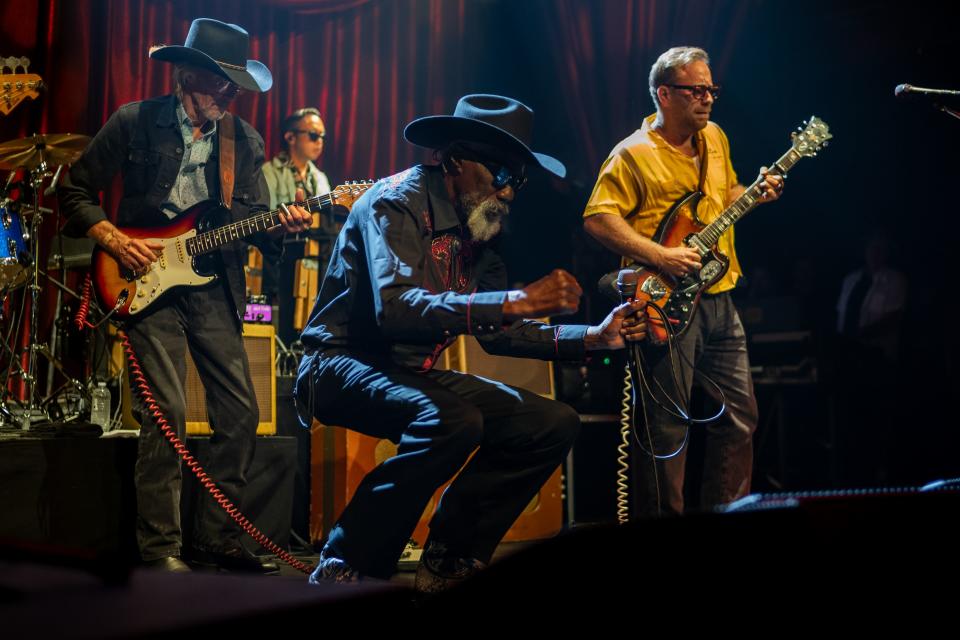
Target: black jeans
pixel 715 345
pixel 438 419
pixel 205 321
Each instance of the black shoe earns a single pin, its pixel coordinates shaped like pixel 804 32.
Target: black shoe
pixel 170 564
pixel 440 570
pixel 331 569
pixel 235 559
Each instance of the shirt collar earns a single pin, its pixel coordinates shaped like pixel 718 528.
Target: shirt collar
pixel 174 113
pixel 647 129
pixel 444 214
pixel 282 161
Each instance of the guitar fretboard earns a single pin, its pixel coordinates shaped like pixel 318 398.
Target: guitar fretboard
pixel 215 238
pixel 746 202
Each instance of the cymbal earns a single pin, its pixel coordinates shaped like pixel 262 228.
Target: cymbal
pixel 55 148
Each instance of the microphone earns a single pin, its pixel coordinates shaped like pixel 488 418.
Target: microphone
pixel 49 191
pixel 627 284
pixel 902 89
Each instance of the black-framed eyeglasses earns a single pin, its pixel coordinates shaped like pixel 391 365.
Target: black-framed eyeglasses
pixel 699 90
pixel 313 135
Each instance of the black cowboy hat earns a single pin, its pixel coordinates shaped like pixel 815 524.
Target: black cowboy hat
pixel 221 48
pixel 503 123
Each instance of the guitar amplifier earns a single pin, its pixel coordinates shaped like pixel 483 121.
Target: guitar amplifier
pixel 261 351
pixel 340 458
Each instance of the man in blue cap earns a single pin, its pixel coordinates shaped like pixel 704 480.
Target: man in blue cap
pixel 172 154
pixel 413 267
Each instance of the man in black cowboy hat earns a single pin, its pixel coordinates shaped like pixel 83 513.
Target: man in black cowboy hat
pixel 169 152
pixel 413 267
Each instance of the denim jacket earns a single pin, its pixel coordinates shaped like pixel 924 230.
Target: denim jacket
pixel 142 142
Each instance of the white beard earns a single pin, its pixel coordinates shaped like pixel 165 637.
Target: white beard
pixel 484 217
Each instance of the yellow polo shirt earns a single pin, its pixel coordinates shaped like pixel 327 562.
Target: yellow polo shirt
pixel 644 176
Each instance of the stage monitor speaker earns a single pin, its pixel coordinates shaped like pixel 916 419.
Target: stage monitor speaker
pixel 340 458
pixel 261 351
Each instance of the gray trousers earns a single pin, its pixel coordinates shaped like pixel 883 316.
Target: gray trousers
pixel 714 345
pixel 205 321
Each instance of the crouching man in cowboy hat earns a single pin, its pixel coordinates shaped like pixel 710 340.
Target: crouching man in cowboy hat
pixel 412 268
pixel 174 152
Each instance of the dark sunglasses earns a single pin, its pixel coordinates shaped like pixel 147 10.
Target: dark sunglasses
pixel 313 135
pixel 502 175
pixel 699 90
pixel 216 84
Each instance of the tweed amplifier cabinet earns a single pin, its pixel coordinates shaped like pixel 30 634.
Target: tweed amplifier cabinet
pixel 261 351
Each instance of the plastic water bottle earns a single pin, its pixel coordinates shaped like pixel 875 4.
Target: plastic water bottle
pixel 100 406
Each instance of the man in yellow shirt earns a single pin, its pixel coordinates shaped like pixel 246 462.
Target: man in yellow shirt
pixel 642 178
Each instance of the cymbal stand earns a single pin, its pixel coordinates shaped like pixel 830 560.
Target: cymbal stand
pixel 32 412
pixel 51 353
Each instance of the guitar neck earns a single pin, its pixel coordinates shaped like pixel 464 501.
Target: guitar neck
pixel 746 202
pixel 216 238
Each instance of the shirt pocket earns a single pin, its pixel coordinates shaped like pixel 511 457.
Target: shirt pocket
pixel 140 171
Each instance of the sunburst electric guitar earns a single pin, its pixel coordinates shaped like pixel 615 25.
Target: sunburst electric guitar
pixel 186 242
pixel 678 298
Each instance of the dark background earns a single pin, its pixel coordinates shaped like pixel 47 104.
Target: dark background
pixel 371 66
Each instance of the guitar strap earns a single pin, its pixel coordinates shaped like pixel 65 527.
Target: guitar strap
pixel 227 157
pixel 702 151
pixel 702 154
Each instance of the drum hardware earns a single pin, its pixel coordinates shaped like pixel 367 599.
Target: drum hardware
pixel 20 267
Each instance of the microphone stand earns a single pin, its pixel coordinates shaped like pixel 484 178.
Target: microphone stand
pixel 947 110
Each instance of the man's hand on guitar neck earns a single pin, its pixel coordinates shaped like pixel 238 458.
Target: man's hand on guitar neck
pixel 135 254
pixel 771 186
pixel 294 219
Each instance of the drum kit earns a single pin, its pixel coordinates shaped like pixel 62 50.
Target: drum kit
pixel 35 164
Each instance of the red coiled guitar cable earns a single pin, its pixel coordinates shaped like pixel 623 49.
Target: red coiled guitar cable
pixel 139 382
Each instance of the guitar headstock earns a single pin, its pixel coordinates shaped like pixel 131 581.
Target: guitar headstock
pixel 348 193
pixel 16 87
pixel 812 137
